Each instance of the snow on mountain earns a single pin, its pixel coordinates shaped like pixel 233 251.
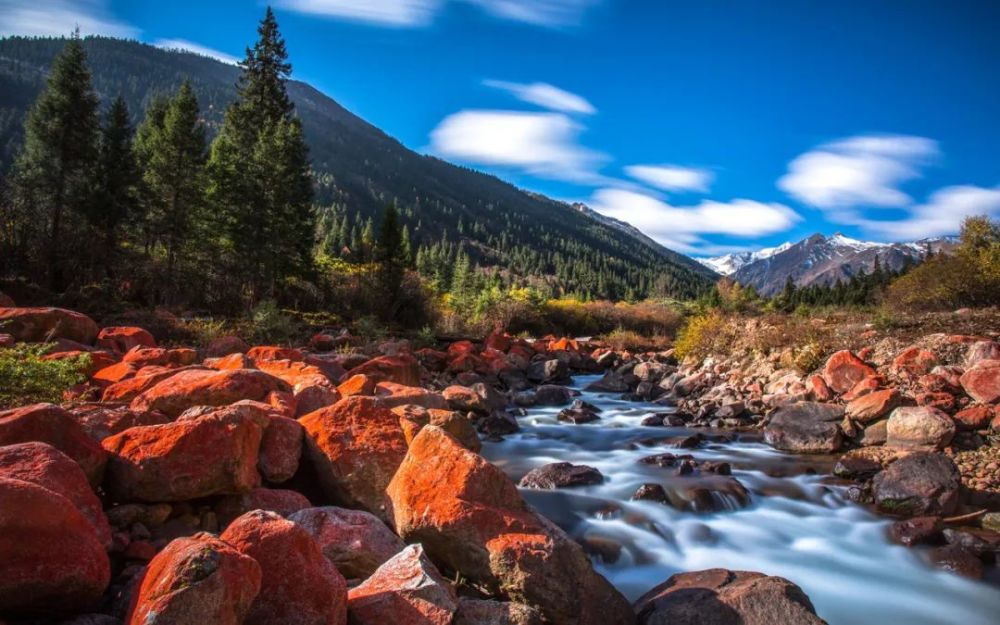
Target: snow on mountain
pixel 731 263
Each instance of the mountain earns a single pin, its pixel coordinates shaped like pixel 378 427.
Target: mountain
pixel 359 168
pixel 820 260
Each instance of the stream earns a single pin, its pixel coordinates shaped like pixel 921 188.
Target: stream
pixel 798 524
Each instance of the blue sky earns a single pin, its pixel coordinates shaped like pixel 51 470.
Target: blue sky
pixel 712 125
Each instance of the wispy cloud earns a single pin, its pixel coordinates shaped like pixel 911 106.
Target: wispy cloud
pixel 545 95
pixel 681 227
pixel 672 177
pixel 190 46
pixel 542 144
pixel 48 18
pixel 414 13
pixel 942 214
pixel 866 170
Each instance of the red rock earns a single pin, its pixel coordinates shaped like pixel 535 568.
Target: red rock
pixel 564 345
pixel 267 353
pixel 215 454
pixel 974 417
pixel 360 384
pixel 982 350
pixel 941 401
pixel 403 369
pixel 467 363
pixel 323 342
pixel 354 541
pixel 499 341
pixel 843 370
pixel 225 346
pixel 863 387
pixel 406 590
pixel 299 586
pixel 122 339
pixel 934 383
pixel 873 406
pixel 183 356
pixel 471 519
pixel 103 420
pixel 280 449
pixel 51 558
pixel 196 581
pixel 330 365
pixel 144 379
pixel 819 388
pixel 914 362
pixel 982 382
pixel 390 395
pixel 414 418
pixel 50 424
pixel 284 402
pixel 46 466
pixel 205 387
pixel 283 502
pixel 310 386
pixel 141 550
pixel 113 374
pixel 39 325
pixel 140 357
pixel 459 348
pixel 356 445
pixel 432 359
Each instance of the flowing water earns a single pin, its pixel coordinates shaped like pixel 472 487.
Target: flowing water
pixel 798 525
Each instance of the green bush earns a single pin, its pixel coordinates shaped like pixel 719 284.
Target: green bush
pixel 25 378
pixel 270 324
pixel 700 337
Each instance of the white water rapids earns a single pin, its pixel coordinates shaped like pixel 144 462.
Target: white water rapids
pixel 798 525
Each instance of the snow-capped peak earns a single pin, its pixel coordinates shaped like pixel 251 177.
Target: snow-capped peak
pixel 839 240
pixel 729 264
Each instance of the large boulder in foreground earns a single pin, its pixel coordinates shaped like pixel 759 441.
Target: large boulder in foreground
pixel 195 581
pixel 298 585
pixel 471 519
pixel 982 381
pixel 214 454
pixel 723 597
pixel 207 387
pixel 806 427
pixel 36 325
pixel 355 541
pixel 50 556
pixel 355 445
pixel 918 484
pixel 843 370
pixel 46 423
pixel 406 590
pixel 919 426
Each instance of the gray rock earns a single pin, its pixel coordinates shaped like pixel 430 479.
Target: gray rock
pixel 805 427
pixel 920 483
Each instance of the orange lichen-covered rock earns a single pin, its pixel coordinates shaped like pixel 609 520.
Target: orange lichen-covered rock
pixel 230 362
pixel 206 387
pixel 113 374
pixel 402 369
pixel 143 380
pixel 391 395
pixel 359 384
pixel 195 581
pixel 914 362
pixel 843 370
pixel 873 406
pixel 982 381
pixel 406 590
pixel 281 448
pixel 471 519
pixel 122 339
pixel 42 464
pixel 299 586
pixel 266 353
pixel 226 345
pixel 51 558
pixel 36 325
pixel 50 424
pixel 356 446
pixel 310 386
pixel 414 418
pixel 564 345
pixel 214 454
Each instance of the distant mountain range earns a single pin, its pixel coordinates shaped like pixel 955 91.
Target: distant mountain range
pixel 819 259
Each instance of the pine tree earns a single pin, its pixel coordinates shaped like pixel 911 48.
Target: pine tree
pixel 391 262
pixel 54 173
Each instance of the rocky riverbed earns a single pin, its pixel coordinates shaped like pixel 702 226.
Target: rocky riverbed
pixel 343 482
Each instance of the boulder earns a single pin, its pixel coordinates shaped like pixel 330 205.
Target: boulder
pixel 982 382
pixel 391 395
pixel 298 585
pixel 546 371
pixel 487 612
pixel 129 387
pixel 982 350
pixel 914 362
pixel 225 345
pixel 103 420
pixel 406 590
pixel 612 382
pixel 976 417
pixel 561 475
pixel 413 418
pixel 402 369
pixel 843 370
pixel 45 423
pixel 873 406
pixel 723 597
pixel 38 325
pixel 50 556
pixel 920 483
pixel 472 520
pixel 356 445
pixel 206 387
pixel 919 426
pixel 46 466
pixel 269 353
pixel 359 384
pixel 479 398
pixel 280 449
pixel 354 541
pixel 215 454
pixel 279 501
pixel 918 530
pixel 195 581
pixel 805 427
pixel 310 386
pixel 552 395
pixel 122 338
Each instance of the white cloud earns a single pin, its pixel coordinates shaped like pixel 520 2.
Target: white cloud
pixel 190 46
pixel 543 144
pixel 545 96
pixel 681 227
pixel 942 214
pixel 859 171
pixel 53 18
pixel 672 177
pixel 412 13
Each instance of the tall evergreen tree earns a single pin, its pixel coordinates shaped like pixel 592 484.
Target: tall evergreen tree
pixel 391 261
pixel 54 173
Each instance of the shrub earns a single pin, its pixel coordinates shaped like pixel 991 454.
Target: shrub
pixel 701 336
pixel 270 324
pixel 25 378
pixel 620 339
